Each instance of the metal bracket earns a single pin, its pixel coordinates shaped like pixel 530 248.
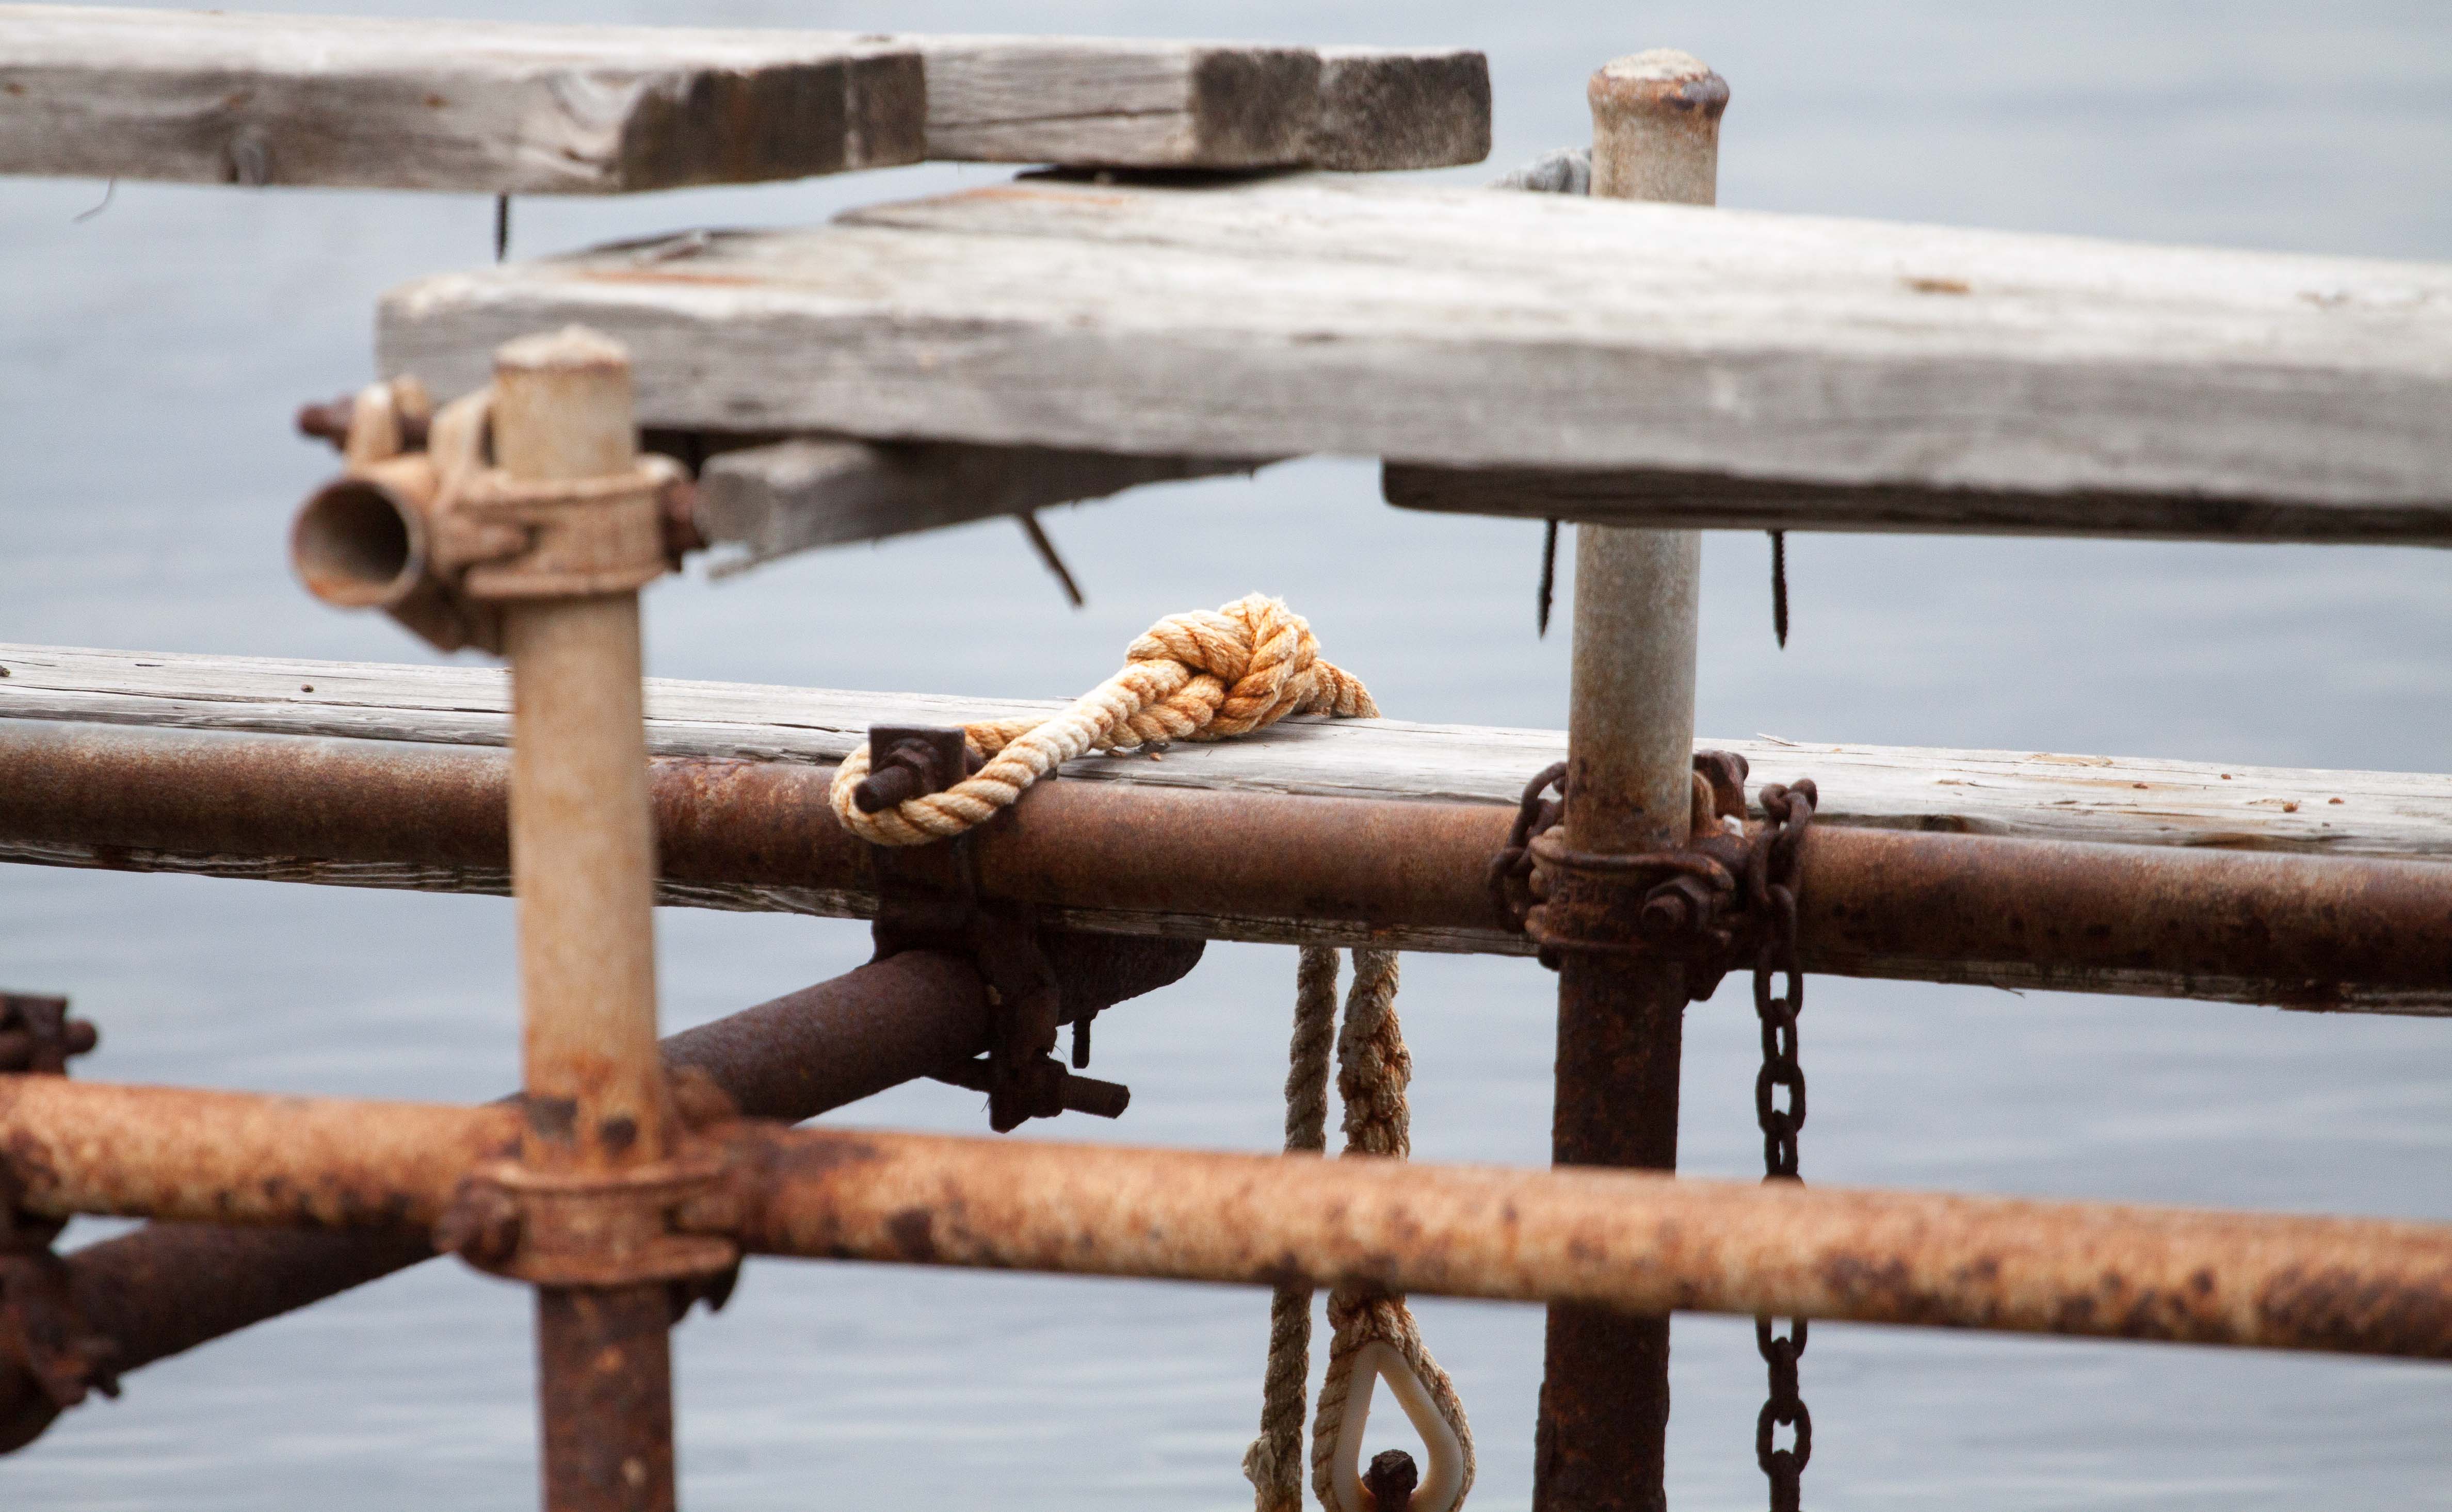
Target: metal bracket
pixel 928 899
pixel 37 1035
pixel 1690 903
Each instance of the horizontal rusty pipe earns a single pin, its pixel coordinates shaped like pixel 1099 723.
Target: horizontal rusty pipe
pixel 170 1287
pixel 2300 929
pixel 2308 923
pixel 1626 1240
pixel 1631 1241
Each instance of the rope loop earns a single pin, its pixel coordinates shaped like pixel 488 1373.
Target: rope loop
pixel 1202 675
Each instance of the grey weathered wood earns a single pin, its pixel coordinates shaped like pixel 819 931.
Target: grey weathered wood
pixel 1388 108
pixel 1466 328
pixel 1124 103
pixel 1119 103
pixel 2039 795
pixel 795 495
pixel 212 98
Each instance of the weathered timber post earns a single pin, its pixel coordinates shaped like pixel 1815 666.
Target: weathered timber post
pixel 1629 751
pixel 582 868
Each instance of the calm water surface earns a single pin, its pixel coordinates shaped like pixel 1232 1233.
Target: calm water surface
pixel 150 356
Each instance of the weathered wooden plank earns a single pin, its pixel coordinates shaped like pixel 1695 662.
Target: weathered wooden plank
pixel 1461 327
pixel 215 98
pixel 2038 795
pixel 795 495
pixel 1124 103
pixel 1388 108
pixel 212 98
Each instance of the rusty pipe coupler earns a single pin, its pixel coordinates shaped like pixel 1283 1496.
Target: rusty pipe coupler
pixel 439 538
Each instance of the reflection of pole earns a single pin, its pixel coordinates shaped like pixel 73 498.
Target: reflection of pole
pixel 583 867
pixel 1630 748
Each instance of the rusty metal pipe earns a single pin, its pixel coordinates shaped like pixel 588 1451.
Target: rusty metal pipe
pixel 1601 1441
pixel 170 1287
pixel 1629 1241
pixel 2301 930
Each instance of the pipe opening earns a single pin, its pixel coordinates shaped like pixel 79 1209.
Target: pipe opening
pixel 358 545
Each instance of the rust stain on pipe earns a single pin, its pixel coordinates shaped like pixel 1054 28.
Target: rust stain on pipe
pixel 1629 1241
pixel 170 1287
pixel 1876 902
pixel 240 1157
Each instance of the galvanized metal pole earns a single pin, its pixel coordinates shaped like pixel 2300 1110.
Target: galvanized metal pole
pixel 582 868
pixel 1630 750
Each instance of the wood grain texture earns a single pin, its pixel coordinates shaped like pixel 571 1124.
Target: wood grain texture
pixel 2037 794
pixel 771 501
pixel 1115 102
pixel 1124 103
pixel 205 98
pixel 1388 108
pixel 1467 328
pixel 489 108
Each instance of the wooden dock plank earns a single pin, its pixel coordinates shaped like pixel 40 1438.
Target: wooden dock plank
pixel 2125 800
pixel 207 97
pixel 492 107
pixel 1467 328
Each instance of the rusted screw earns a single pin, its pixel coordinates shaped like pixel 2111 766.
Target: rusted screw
pixel 1665 913
pixel 908 770
pixel 1391 1479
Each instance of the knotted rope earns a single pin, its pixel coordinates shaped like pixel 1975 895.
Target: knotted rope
pixel 1191 676
pixel 1373 1069
pixel 1205 675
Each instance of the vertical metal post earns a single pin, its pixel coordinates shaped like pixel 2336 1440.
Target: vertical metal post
pixel 582 869
pixel 1630 750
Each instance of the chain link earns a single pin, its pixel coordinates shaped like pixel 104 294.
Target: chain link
pixel 1770 886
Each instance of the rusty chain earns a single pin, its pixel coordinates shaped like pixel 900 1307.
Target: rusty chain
pixel 1770 887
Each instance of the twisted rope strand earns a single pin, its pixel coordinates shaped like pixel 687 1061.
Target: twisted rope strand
pixel 1374 1069
pixel 1202 675
pixel 1273 1463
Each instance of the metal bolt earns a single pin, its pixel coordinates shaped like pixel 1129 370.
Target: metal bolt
pixel 1391 1479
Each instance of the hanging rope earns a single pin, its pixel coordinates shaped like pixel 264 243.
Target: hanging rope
pixel 1192 676
pixel 1374 1333
pixel 1274 1463
pixel 1203 676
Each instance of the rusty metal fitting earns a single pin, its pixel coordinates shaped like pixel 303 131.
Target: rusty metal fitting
pixel 437 537
pixel 591 1229
pixel 37 1035
pixel 1693 904
pixel 42 1331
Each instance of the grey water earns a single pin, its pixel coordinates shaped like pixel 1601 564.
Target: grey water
pixel 150 356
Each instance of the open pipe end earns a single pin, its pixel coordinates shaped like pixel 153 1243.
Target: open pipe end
pixel 358 543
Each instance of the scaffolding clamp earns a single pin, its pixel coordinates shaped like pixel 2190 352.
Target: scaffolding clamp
pixel 1699 903
pixel 928 899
